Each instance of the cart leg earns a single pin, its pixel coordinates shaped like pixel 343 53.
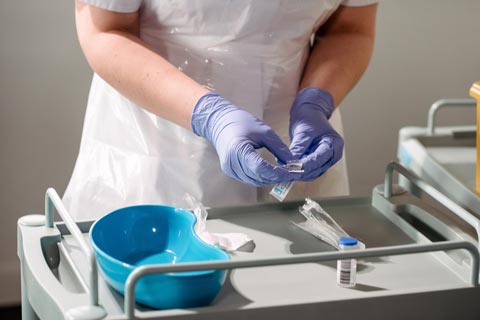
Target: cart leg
pixel 27 311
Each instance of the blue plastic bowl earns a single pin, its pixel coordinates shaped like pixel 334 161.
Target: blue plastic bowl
pixel 152 234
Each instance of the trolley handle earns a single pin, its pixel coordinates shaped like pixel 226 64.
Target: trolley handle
pixel 431 191
pixel 53 201
pixel 137 273
pixel 432 112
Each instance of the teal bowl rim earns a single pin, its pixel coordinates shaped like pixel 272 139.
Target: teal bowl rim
pixel 172 274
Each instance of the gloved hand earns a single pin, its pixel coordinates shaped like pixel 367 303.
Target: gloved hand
pixel 236 134
pixel 313 140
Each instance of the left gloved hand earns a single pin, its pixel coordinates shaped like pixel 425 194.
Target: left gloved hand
pixel 313 140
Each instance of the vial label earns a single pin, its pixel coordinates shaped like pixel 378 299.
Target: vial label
pixel 346 272
pixel 280 190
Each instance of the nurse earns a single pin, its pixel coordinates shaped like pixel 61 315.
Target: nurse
pixel 200 96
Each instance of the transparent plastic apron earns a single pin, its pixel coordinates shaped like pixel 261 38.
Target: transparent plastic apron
pixel 251 52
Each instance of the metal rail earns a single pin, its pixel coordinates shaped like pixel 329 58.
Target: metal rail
pixel 139 272
pixel 431 191
pixel 52 201
pixel 432 112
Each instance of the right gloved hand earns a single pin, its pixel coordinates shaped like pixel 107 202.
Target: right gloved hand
pixel 236 134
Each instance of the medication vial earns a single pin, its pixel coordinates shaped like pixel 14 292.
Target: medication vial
pixel 347 269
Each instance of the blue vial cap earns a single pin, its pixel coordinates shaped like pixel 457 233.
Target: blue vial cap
pixel 347 241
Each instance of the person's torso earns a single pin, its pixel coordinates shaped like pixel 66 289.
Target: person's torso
pixel 251 52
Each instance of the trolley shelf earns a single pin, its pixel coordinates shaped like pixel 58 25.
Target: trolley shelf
pixel 417 264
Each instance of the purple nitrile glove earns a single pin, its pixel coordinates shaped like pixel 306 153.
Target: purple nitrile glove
pixel 236 134
pixel 313 140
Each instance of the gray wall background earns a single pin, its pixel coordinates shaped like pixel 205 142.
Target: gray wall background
pixel 425 50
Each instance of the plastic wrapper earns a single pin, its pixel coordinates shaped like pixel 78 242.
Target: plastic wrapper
pixel 321 225
pixel 225 241
pixel 248 52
